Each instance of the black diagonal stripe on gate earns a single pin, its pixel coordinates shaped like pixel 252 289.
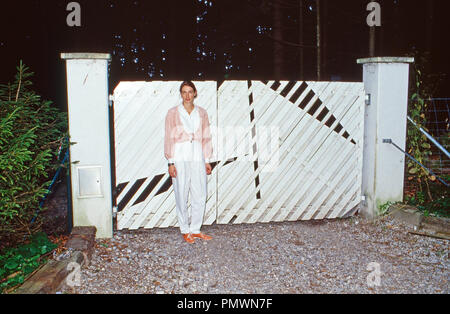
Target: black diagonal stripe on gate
pixel 116 192
pixel 306 100
pixel 314 107
pixel 219 84
pixel 165 187
pixel 230 161
pixel 323 114
pixel 275 85
pixel 287 88
pixel 252 118
pixel 130 194
pixel 296 95
pixel 120 188
pixel 148 189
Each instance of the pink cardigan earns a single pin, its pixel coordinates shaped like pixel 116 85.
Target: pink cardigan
pixel 175 133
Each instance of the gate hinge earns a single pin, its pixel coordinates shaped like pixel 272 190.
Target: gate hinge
pixel 368 99
pixel 111 99
pixel 363 200
pixel 114 211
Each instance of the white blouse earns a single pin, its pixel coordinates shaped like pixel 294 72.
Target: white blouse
pixel 191 122
pixel 191 150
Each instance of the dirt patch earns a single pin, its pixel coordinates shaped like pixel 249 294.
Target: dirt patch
pixel 54 215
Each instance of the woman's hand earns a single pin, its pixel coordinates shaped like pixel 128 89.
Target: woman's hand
pixel 208 168
pixel 173 171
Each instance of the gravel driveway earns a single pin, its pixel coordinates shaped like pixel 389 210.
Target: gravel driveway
pixel 327 256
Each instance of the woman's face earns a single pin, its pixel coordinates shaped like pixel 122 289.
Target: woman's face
pixel 188 94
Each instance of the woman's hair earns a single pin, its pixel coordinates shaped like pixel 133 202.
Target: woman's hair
pixel 190 84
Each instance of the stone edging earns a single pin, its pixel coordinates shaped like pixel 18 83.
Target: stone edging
pixel 430 225
pixel 54 274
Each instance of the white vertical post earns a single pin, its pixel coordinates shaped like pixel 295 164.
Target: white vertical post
pixel 386 84
pixel 87 98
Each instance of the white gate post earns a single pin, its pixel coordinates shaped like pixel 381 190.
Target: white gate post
pixel 88 101
pixel 386 84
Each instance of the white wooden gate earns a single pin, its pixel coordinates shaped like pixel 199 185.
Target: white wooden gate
pixel 284 151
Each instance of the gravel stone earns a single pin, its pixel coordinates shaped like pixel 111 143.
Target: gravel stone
pixel 323 256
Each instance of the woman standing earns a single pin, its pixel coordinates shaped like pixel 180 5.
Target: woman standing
pixel 188 149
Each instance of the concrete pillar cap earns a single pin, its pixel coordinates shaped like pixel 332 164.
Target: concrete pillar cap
pixel 386 60
pixel 85 55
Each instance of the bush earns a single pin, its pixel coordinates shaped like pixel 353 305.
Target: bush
pixel 31 130
pixel 19 262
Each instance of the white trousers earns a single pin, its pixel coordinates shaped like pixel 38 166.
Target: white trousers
pixel 191 177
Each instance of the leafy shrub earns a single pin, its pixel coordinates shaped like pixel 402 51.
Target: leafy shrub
pixel 17 263
pixel 31 130
pixel 417 143
pixel 428 194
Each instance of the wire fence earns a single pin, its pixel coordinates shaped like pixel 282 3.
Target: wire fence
pixel 438 126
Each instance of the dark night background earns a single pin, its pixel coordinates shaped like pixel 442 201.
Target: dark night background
pixel 218 39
